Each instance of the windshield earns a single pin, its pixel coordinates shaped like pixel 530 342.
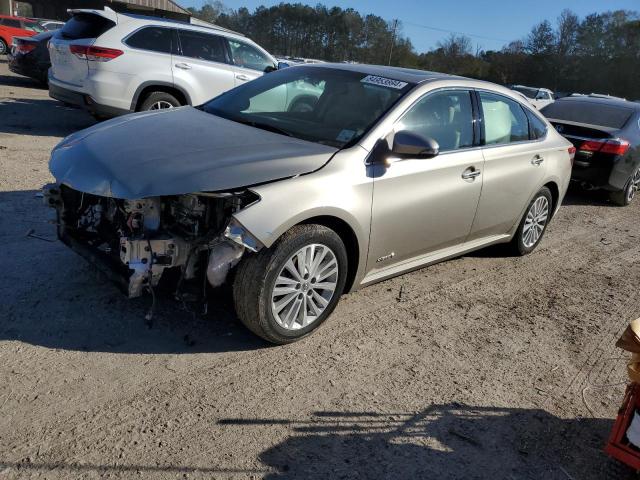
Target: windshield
pixel 34 27
pixel 324 105
pixel 527 91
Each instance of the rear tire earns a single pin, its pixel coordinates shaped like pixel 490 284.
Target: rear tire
pixel 4 49
pixel 159 101
pixel 626 196
pixel 533 224
pixel 280 305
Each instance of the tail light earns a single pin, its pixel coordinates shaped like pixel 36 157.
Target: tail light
pixel 25 47
pixel 95 54
pixel 572 153
pixel 613 146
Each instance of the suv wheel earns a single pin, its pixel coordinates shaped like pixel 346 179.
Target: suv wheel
pixel 285 292
pixel 626 196
pixel 3 47
pixel 534 223
pixel 159 101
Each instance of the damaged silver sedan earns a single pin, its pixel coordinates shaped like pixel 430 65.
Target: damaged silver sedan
pixel 307 183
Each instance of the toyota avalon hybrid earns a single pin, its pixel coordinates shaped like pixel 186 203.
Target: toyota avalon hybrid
pixel 383 171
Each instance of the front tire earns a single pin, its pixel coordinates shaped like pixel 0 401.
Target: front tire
pixel 159 101
pixel 533 224
pixel 4 49
pixel 285 292
pixel 626 196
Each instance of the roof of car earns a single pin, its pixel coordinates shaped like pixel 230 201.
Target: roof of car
pixel 409 75
pixel 24 19
pixel 601 100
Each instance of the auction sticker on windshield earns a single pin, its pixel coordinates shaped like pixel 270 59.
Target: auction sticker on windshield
pixel 384 82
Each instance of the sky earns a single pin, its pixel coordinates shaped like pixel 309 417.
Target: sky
pixel 489 23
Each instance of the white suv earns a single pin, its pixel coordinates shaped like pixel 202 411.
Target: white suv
pixel 111 63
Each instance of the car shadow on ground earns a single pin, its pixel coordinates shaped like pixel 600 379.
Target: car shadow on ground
pixel 41 117
pixel 20 81
pixel 443 441
pixel 56 299
pixel 452 441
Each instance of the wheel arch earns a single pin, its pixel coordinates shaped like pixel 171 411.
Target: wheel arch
pixel 148 87
pixel 348 237
pixel 555 194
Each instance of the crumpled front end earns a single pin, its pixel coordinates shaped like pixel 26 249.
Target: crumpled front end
pixel 179 241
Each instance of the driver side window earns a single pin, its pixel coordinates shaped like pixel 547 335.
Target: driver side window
pixel 446 117
pixel 246 56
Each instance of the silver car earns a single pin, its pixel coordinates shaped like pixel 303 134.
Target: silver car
pixel 307 183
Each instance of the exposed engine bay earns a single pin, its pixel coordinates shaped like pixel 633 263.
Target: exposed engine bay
pixel 141 243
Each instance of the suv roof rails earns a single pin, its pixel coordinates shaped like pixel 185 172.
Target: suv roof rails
pixel 201 24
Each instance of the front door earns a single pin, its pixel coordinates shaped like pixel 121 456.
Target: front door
pixel 249 62
pixel 425 205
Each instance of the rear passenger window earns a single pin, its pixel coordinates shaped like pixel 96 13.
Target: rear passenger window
pixel 203 46
pixel 538 127
pixel 7 22
pixel 155 39
pixel 86 25
pixel 445 117
pixel 504 120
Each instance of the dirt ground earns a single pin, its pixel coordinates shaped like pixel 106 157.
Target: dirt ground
pixel 481 367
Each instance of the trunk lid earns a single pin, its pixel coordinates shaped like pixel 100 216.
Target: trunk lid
pixel 82 29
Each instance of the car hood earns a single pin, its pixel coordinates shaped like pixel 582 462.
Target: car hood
pixel 178 151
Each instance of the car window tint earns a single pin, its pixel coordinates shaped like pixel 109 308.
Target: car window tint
pixel 538 127
pixel 445 117
pixel 8 22
pixel 155 39
pixel 246 56
pixel 203 46
pixel 504 120
pixel 86 25
pixel 591 112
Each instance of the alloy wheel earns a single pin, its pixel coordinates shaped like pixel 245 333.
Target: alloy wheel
pixel 161 105
pixel 304 287
pixel 634 186
pixel 535 222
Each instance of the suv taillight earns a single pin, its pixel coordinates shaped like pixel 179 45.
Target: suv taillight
pixel 95 54
pixel 613 146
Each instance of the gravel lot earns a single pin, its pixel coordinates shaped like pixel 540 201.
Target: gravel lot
pixel 480 367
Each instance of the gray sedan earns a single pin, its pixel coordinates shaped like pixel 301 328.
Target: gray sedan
pixel 307 183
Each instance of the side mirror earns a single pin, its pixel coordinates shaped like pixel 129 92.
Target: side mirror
pixel 270 69
pixel 282 65
pixel 409 145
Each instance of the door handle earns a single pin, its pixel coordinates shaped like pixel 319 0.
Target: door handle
pixel 537 160
pixel 470 173
pixel 242 77
pixel 183 66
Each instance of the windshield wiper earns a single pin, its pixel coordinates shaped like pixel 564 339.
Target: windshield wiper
pixel 264 126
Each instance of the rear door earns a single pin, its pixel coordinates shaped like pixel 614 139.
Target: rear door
pixel 514 165
pixel 202 65
pixel 249 62
pixel 81 30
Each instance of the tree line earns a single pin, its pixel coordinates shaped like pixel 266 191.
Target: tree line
pixel 598 53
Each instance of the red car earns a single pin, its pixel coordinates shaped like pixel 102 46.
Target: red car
pixel 16 27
